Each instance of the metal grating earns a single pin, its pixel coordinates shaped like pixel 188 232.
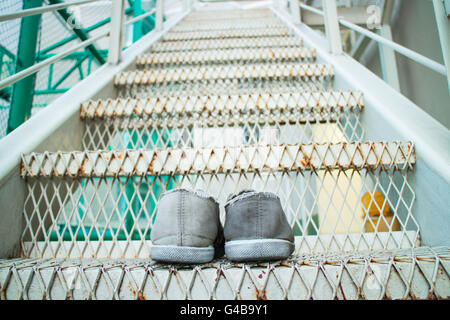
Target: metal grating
pixel 185 26
pixel 109 198
pixel 214 15
pixel 269 126
pixel 303 72
pixel 223 86
pixel 226 56
pixel 197 121
pixel 236 33
pixel 189 45
pixel 421 273
pixel 221 79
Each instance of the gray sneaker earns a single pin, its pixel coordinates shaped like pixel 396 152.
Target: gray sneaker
pixel 256 227
pixel 187 228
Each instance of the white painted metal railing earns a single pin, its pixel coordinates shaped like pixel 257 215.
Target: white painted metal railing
pixel 115 33
pixel 332 21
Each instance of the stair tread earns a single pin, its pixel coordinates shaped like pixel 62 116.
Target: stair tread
pixel 418 273
pixel 214 15
pixel 222 72
pixel 233 33
pixel 341 156
pixel 318 105
pixel 228 55
pixel 230 43
pixel 227 24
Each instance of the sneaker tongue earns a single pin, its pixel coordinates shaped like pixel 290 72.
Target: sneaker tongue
pixel 232 196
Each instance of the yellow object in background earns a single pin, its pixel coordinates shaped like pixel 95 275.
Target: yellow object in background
pixel 380 215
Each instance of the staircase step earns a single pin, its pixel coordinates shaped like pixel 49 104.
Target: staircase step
pixel 419 273
pixel 214 15
pixel 342 156
pixel 224 72
pixel 227 24
pixel 222 34
pixel 260 117
pixel 300 106
pixel 262 42
pixel 98 203
pixel 229 55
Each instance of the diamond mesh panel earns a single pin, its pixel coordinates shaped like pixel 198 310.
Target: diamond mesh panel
pixel 198 121
pixel 236 33
pixel 262 42
pixel 186 26
pixel 239 55
pixel 400 274
pixel 109 199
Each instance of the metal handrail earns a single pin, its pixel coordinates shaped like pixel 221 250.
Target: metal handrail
pixel 141 16
pixel 43 9
pixel 417 57
pixel 38 66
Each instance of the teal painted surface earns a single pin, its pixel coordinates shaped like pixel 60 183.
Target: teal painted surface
pixel 22 92
pixel 81 33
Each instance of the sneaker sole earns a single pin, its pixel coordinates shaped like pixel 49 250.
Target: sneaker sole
pixel 179 254
pixel 258 249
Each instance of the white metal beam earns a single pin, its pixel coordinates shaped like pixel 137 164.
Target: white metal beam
pixel 388 59
pixel 159 15
pixel 332 26
pixel 443 25
pixel 295 11
pixel 115 39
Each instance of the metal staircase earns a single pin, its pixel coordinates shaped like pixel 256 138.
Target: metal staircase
pixel 224 100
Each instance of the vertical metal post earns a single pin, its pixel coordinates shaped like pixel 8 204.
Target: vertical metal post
pixel 22 92
pixel 116 34
pixel 332 26
pixel 388 59
pixel 387 55
pixel 443 25
pixel 159 15
pixel 295 11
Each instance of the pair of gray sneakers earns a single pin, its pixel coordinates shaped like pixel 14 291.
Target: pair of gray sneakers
pixel 187 228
